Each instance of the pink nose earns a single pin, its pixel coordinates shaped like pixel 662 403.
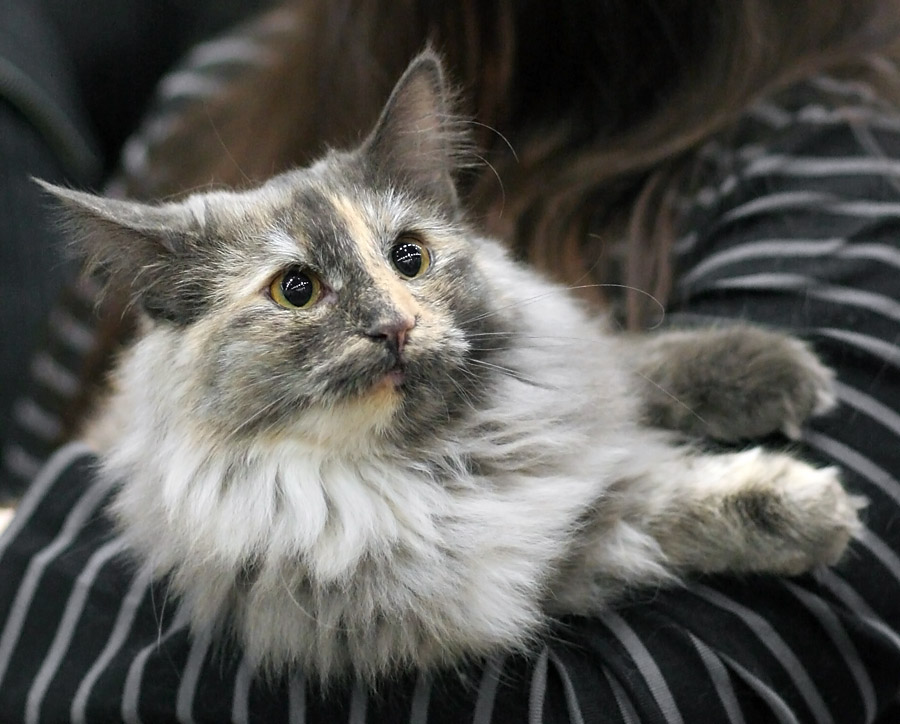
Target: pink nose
pixel 393 332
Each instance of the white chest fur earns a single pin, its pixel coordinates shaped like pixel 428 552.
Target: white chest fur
pixel 333 561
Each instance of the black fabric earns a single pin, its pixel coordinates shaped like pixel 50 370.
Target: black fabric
pixel 795 224
pixel 32 268
pixel 118 50
pixel 74 81
pixel 37 78
pixel 44 132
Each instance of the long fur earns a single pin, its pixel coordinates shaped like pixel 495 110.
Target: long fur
pixel 343 503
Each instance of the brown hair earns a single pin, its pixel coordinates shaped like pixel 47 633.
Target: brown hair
pixel 602 101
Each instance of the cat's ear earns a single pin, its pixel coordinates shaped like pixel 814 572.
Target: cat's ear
pixel 137 249
pixel 418 142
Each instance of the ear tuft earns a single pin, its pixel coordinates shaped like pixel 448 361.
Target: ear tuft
pixel 136 249
pixel 418 142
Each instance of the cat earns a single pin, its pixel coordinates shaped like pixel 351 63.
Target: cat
pixel 356 436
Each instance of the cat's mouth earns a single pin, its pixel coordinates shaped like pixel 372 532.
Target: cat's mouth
pixel 393 379
pixel 394 371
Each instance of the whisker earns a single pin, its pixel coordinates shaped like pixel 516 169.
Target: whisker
pixel 561 289
pixel 499 181
pixel 662 307
pixel 223 145
pixel 513 348
pixel 516 375
pixel 476 335
pixel 305 612
pixel 258 415
pixel 672 397
pixel 531 300
pixel 462 391
pixel 499 135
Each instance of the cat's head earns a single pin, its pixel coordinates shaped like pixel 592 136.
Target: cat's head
pixel 340 299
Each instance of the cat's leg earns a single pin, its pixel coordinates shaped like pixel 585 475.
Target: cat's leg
pixel 753 511
pixel 731 383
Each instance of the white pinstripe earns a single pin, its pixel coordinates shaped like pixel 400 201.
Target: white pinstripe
pixel 67 627
pixel 418 713
pixel 190 677
pixel 297 699
pixel 787 248
pixel 240 699
pixel 823 203
pixel 878 548
pixel 538 689
pixel 359 701
pixel 487 691
pixel 720 678
pixel 572 704
pixel 626 708
pixel 835 630
pixel 848 296
pixel 769 638
pixel 86 506
pixel 779 708
pixel 799 167
pixel 59 461
pixel 852 460
pixel 140 584
pixel 646 665
pixel 851 598
pixel 889 352
pixel 882 414
pixel 131 695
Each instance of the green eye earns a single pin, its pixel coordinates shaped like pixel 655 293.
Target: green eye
pixel 295 289
pixel 410 257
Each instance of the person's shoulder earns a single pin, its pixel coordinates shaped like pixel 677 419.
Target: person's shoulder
pixel 818 161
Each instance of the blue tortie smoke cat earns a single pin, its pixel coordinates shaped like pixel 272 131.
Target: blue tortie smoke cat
pixel 357 436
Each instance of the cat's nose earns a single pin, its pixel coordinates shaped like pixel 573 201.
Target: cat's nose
pixel 392 332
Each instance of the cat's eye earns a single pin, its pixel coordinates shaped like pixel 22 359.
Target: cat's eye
pixel 295 288
pixel 410 257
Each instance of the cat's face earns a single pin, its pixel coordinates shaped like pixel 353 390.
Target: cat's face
pixel 357 307
pixel 334 302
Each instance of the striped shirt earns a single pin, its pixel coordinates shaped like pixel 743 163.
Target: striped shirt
pixel 795 224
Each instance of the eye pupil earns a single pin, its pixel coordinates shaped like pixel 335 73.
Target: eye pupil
pixel 297 288
pixel 409 258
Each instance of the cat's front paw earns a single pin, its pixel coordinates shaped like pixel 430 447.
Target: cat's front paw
pixel 795 387
pixel 803 517
pixel 737 383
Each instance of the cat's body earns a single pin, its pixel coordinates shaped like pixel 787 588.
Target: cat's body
pixel 361 437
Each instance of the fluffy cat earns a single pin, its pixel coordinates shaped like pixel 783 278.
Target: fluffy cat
pixel 360 437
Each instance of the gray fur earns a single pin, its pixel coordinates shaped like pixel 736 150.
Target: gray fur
pixel 348 504
pixel 731 384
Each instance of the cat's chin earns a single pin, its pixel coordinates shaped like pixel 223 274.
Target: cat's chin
pixel 356 422
pixel 382 397
pixel 392 381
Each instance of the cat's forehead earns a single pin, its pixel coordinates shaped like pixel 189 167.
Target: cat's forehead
pixel 302 212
